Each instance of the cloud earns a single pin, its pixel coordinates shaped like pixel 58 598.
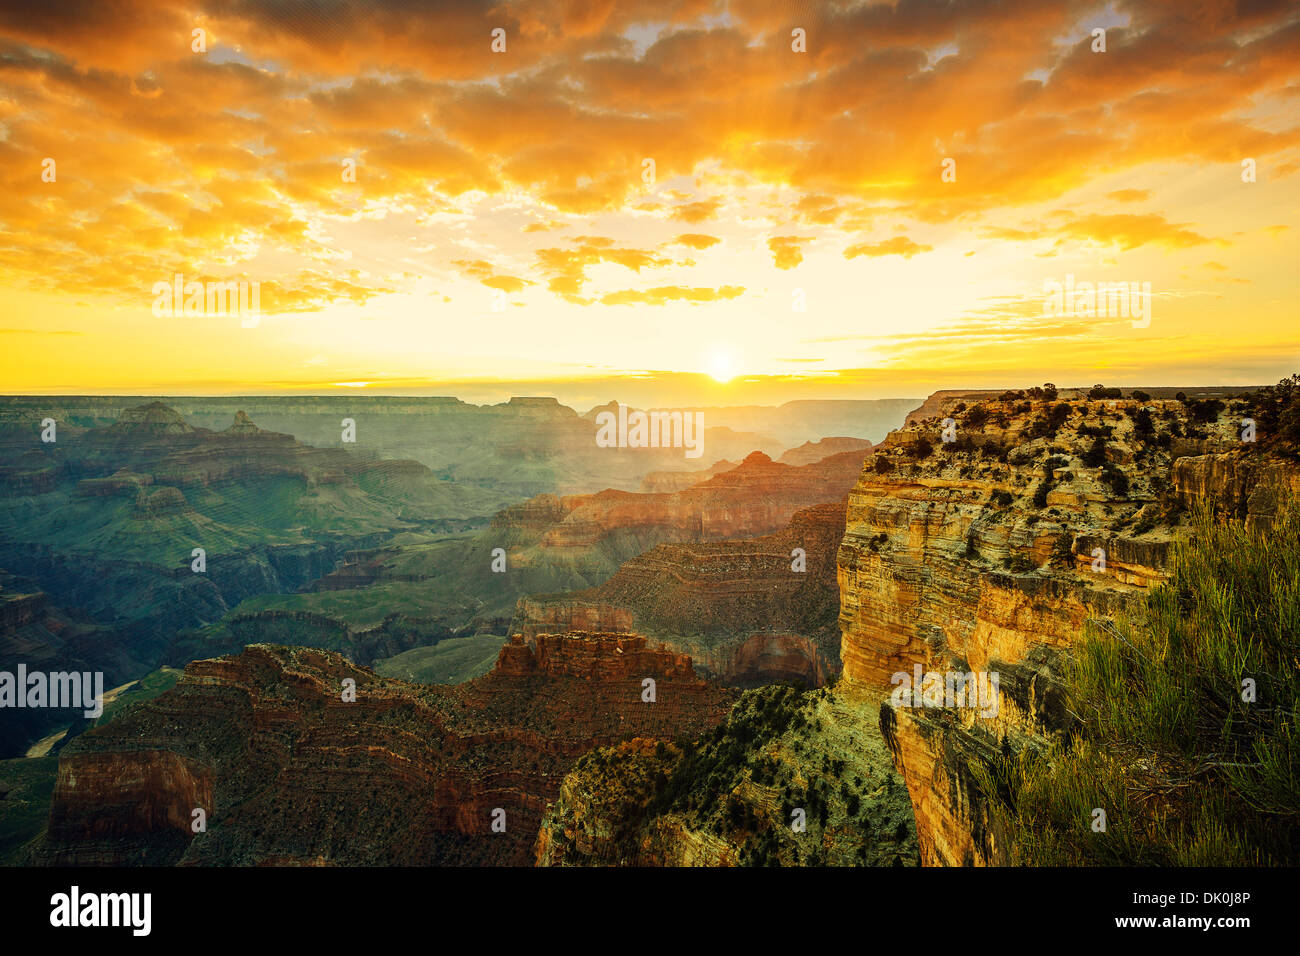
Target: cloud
pixel 696 240
pixel 486 273
pixel 675 293
pixel 230 163
pixel 1129 195
pixel 897 246
pixel 785 250
pixel 696 211
pixel 1130 231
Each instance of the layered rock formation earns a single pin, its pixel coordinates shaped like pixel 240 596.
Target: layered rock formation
pixel 288 771
pixel 757 497
pixel 522 447
pixel 997 551
pixel 45 637
pixel 667 482
pixel 740 609
pixel 151 525
pixel 792 779
pixel 458 586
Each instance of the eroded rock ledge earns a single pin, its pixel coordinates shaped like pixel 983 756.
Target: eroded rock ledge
pixel 983 556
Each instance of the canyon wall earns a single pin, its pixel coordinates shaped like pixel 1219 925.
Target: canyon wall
pixel 748 612
pixel 997 552
pixel 289 771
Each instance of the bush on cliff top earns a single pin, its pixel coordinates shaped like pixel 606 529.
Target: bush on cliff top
pixel 1187 772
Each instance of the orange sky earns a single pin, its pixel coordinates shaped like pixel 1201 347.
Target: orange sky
pixel 501 235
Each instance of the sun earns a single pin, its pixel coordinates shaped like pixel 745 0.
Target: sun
pixel 721 368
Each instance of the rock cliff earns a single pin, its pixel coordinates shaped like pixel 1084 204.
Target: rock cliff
pixel 288 771
pixel 993 552
pixel 740 608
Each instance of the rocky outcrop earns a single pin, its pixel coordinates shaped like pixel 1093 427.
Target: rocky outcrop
pixel 748 612
pixel 997 554
pixel 114 535
pixel 791 779
pixel 42 636
pixel 288 769
pixel 1243 485
pixel 757 497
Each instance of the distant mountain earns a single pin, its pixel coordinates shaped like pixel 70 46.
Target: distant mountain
pixel 811 451
pixel 749 612
pixel 384 601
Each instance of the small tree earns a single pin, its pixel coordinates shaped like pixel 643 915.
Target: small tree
pixel 1095 456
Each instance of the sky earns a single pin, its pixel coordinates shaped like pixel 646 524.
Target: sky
pixel 685 201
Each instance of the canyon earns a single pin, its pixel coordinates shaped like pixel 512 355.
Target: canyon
pixel 287 772
pixel 772 604
pixel 445 587
pixel 739 608
pixel 1000 552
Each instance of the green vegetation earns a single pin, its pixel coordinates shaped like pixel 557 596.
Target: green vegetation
pixel 151 685
pixel 1115 478
pixel 1187 771
pixel 25 808
pixel 1049 423
pixel 1277 414
pixel 450 661
pixel 781 750
pixel 1205 411
pixel 1020 563
pixel 1095 456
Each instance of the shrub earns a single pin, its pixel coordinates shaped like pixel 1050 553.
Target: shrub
pixel 923 447
pixel 1063 550
pixel 1143 427
pixel 1049 423
pixel 1163 726
pixel 1115 479
pixel 1206 410
pixel 1020 563
pixel 1040 493
pixel 1139 396
pixel 1277 411
pixel 1095 456
pixel 1086 430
